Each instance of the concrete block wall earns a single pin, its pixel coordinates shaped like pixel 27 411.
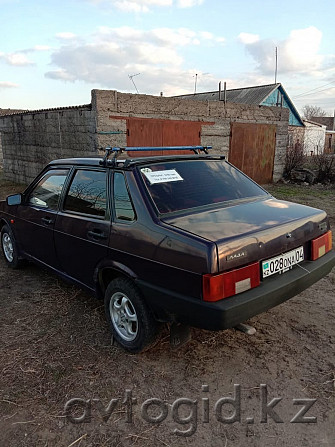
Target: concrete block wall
pixel 1 153
pixel 2 113
pixel 31 140
pixel 109 104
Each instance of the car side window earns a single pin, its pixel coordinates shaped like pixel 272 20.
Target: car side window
pixel 87 193
pixel 122 203
pixel 48 190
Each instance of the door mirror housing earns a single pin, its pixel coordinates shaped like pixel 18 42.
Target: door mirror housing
pixel 14 199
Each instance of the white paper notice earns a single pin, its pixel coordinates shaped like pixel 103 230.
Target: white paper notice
pixel 170 175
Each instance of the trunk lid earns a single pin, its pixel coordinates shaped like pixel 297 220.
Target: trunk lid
pixel 255 230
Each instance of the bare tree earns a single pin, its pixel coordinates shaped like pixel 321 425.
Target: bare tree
pixel 309 111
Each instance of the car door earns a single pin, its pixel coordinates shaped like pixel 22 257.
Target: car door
pixel 83 225
pixel 36 217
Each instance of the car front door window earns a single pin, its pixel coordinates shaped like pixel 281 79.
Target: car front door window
pixel 48 190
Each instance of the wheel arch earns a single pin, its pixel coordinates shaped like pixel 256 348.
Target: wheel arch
pixel 110 271
pixel 104 274
pixel 3 222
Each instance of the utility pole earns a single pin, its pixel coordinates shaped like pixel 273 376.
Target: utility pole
pixel 196 80
pixel 195 83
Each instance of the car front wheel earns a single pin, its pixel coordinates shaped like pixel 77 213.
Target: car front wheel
pixel 131 321
pixel 9 247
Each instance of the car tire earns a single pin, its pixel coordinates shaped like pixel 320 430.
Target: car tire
pixel 132 323
pixel 9 248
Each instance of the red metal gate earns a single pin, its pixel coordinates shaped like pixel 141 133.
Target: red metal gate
pixel 252 149
pixel 160 132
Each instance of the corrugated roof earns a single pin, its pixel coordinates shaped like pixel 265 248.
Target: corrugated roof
pixel 246 95
pixel 11 112
pixel 4 112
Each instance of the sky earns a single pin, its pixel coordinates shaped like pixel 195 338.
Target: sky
pixel 53 53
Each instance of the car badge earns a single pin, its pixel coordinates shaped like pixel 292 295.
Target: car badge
pixel 238 255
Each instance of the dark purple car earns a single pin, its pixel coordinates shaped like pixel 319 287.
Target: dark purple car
pixel 186 239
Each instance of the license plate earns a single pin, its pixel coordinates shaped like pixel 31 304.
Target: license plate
pixel 282 263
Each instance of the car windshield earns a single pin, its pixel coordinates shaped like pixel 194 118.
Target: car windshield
pixel 185 184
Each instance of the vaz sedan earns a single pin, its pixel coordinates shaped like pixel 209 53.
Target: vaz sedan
pixel 185 239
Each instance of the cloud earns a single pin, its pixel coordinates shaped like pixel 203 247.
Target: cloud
pixel 18 59
pixel 301 65
pixel 110 55
pixel 7 84
pixel 144 6
pixel 65 35
pixel 39 48
pixel 62 75
pixel 248 38
pixel 139 5
pixel 188 3
pixel 299 53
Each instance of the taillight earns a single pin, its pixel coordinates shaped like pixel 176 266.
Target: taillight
pixel 321 245
pixel 216 287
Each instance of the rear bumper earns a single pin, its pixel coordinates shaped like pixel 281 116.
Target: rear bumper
pixel 231 311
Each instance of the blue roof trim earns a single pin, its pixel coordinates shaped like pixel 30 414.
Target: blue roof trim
pixel 274 100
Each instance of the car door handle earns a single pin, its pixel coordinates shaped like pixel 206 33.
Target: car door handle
pixel 47 220
pixel 96 234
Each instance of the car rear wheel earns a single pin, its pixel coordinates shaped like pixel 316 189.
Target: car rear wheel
pixel 9 247
pixel 131 321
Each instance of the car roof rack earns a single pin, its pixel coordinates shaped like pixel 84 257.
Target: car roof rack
pixel 119 150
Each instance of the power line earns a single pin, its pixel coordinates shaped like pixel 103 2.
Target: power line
pixel 308 92
pixel 314 93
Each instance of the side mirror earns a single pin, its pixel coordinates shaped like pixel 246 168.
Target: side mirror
pixel 14 199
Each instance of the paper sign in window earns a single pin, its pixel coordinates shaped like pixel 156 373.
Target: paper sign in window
pixel 168 175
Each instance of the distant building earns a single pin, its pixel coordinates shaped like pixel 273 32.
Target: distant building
pixel 261 95
pixel 329 122
pixel 273 95
pixel 314 138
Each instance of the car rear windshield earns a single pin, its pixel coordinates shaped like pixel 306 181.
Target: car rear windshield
pixel 185 184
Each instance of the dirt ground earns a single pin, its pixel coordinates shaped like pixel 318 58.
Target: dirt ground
pixel 55 346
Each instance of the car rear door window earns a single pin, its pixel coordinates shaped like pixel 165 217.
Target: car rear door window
pixel 122 203
pixel 48 190
pixel 87 193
